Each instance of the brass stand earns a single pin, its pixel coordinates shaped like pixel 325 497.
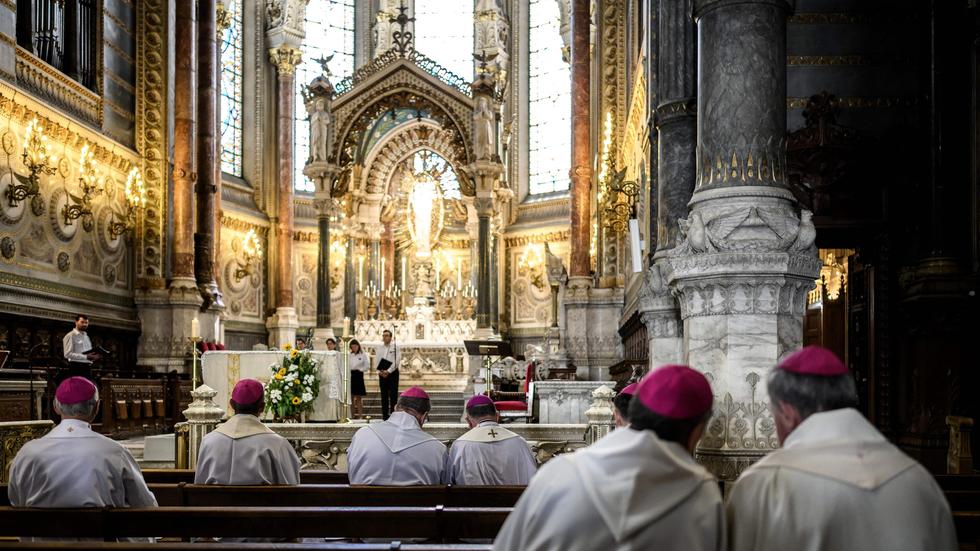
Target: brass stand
pixel 194 341
pixel 345 393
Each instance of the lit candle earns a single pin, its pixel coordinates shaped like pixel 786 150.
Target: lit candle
pixel 404 271
pixel 459 272
pixel 346 327
pixel 195 328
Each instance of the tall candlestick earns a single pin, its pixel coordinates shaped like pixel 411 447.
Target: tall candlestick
pixel 404 272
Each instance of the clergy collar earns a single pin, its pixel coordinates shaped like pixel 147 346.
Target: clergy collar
pixel 404 420
pixel 834 425
pixel 486 422
pixel 72 425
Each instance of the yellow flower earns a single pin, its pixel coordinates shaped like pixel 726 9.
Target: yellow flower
pixel 279 376
pixel 282 371
pixel 287 346
pixel 296 400
pixel 293 354
pixel 295 381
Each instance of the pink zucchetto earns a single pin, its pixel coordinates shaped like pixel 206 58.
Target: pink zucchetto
pixel 74 390
pixel 247 391
pixel 675 392
pixel 415 392
pixel 628 390
pixel 479 400
pixel 814 360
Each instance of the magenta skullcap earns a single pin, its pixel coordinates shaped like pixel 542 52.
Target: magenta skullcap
pixel 675 392
pixel 628 390
pixel 247 391
pixel 415 392
pixel 814 360
pixel 74 390
pixel 479 400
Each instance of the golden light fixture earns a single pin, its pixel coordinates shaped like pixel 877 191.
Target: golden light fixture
pixel 135 193
pixel 36 160
pixel 88 182
pixel 251 253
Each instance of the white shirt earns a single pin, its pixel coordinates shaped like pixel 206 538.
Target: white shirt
pixel 396 452
pixel 837 483
pixel 75 343
pixel 243 451
pixel 628 491
pixel 391 353
pixel 74 466
pixel 490 455
pixel 359 362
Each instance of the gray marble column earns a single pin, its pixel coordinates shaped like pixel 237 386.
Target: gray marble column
pixel 744 258
pixel 323 270
pixel 350 282
pixel 483 273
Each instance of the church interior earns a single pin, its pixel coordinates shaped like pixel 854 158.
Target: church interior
pixel 537 201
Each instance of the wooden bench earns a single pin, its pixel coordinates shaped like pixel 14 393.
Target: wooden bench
pixel 103 546
pixel 430 523
pixel 174 476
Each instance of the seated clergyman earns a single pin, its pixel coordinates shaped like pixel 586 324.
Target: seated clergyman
pixel 74 466
pixel 836 483
pixel 397 452
pixel 637 488
pixel 489 454
pixel 621 405
pixel 242 450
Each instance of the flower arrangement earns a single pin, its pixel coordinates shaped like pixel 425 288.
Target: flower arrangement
pixel 294 384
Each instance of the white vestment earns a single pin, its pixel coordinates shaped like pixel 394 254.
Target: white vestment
pixel 628 491
pixel 396 452
pixel 243 451
pixel 490 455
pixel 837 483
pixel 75 344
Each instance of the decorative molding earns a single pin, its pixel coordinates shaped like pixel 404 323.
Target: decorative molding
pixel 56 289
pixel 850 60
pixel 120 24
pixel 390 57
pixel 243 226
pixel 880 16
pixel 285 59
pixel 857 102
pixel 9 40
pixel 41 78
pixel 550 237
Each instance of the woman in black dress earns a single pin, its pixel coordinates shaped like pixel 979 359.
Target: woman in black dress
pixel 359 363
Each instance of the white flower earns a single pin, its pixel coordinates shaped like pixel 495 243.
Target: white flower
pixel 307 396
pixel 308 380
pixel 293 367
pixel 275 395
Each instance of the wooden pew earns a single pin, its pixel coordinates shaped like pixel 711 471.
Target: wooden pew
pixel 431 523
pixel 103 546
pixel 174 476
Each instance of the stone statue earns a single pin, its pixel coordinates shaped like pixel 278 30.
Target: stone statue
pixel 483 129
pixel 320 138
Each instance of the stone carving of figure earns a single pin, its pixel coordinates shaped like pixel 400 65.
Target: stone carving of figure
pixel 483 129
pixel 319 130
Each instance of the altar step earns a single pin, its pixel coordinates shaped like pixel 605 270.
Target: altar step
pixel 431 382
pixel 447 407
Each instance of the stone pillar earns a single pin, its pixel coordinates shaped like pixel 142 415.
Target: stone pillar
pixel 208 159
pixel 324 209
pixel 581 172
pixel 600 414
pixel 676 170
pixel 283 324
pixel 745 257
pixel 485 174
pixel 350 281
pixel 202 415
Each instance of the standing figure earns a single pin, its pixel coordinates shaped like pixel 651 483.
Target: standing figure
pixel 388 358
pixel 319 131
pixel 359 363
pixel 78 349
pixel 483 129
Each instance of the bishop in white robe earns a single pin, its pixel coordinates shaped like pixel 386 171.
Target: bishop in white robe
pixel 836 483
pixel 632 490
pixel 489 454
pixel 242 450
pixel 397 452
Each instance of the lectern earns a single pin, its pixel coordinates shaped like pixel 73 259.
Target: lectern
pixel 488 349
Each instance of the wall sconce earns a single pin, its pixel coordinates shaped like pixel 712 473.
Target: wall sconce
pixel 88 182
pixel 532 262
pixel 36 160
pixel 135 201
pixel 251 253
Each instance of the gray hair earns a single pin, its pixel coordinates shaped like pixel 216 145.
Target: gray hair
pixel 811 394
pixel 81 410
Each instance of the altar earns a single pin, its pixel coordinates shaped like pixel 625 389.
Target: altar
pixel 220 370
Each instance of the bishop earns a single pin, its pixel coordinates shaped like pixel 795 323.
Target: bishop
pixel 489 454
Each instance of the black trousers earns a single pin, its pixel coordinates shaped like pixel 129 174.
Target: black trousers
pixel 77 369
pixel 389 393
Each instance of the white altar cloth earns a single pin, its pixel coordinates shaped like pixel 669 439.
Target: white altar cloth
pixel 221 369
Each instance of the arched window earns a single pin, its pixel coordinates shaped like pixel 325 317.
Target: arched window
pixel 329 32
pixel 231 91
pixel 444 32
pixel 549 101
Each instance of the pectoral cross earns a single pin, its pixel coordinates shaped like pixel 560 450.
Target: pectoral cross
pixel 492 433
pixel 70 429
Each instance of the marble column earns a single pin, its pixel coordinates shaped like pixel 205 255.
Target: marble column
pixel 283 324
pixel 581 172
pixel 485 174
pixel 675 117
pixel 745 256
pixel 209 166
pixel 350 282
pixel 323 270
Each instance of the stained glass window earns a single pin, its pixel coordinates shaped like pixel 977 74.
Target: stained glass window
pixel 329 32
pixel 549 101
pixel 444 32
pixel 231 91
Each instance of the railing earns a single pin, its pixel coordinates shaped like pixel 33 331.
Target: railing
pixel 64 34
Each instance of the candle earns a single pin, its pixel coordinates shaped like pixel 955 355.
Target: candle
pixel 404 272
pixel 459 272
pixel 437 274
pixel 360 273
pixel 382 286
pixel 346 327
pixel 195 328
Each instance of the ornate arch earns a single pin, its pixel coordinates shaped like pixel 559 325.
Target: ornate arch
pixel 383 159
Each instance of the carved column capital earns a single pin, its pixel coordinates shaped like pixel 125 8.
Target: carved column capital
pixel 285 58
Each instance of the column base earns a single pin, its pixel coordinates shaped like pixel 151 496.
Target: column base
pixel 282 327
pixel 165 322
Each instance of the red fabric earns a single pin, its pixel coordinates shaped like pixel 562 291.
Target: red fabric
pixel 219 346
pixel 202 347
pixel 528 377
pixel 510 405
